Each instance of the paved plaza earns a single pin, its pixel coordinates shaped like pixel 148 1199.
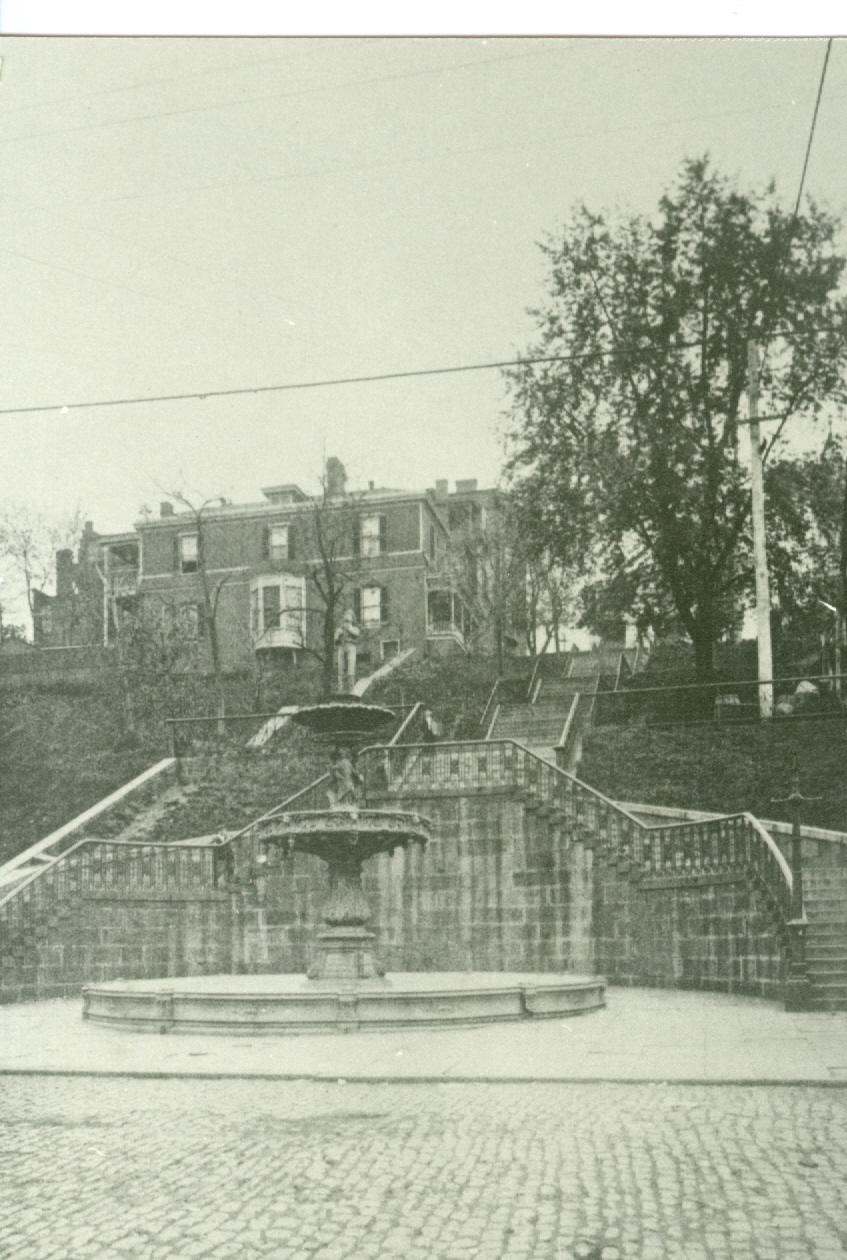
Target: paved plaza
pixel 671 1126
pixel 235 1169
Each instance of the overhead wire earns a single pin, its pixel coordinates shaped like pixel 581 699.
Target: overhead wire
pixel 318 384
pixel 408 374
pixel 794 217
pixel 326 382
pixel 241 102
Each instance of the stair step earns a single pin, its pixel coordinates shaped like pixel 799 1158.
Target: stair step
pixel 826 990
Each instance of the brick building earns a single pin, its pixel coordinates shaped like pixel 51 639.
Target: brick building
pixel 265 572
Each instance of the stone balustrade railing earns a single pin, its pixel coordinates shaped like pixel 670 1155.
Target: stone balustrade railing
pixel 109 866
pixel 704 851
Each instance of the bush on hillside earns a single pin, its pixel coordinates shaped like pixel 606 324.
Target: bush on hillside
pixel 725 769
pixel 454 687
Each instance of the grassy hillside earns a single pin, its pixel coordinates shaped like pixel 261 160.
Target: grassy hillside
pixel 725 769
pixel 61 750
pixel 64 746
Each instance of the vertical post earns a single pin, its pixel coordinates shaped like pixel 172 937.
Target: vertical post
pixel 797 981
pixel 763 596
pixel 796 855
pixel 839 639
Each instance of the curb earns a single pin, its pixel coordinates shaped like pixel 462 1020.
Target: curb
pixel 331 1079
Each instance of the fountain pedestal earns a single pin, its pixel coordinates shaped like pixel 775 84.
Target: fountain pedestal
pixel 344 947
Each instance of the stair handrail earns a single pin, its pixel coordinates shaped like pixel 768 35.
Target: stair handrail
pixel 489 702
pixel 225 841
pixel 493 722
pixel 563 738
pixel 572 728
pixel 283 807
pixel 415 712
pixel 622 661
pixel 530 699
pixel 40 849
pixel 732 839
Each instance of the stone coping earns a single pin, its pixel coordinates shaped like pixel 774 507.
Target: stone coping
pixel 423 982
pixel 285 1005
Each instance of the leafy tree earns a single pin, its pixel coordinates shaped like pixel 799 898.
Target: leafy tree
pixel 629 452
pixel 807 515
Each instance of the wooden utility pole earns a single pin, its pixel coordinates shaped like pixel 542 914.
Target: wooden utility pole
pixel 763 593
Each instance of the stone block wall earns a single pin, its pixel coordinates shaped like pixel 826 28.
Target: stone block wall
pixel 94 917
pixel 502 886
pixel 680 934
pixel 496 889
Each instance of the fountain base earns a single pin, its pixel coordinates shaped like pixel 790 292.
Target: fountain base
pixel 287 1004
pixel 345 953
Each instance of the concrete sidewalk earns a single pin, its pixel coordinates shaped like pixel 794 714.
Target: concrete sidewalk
pixel 642 1035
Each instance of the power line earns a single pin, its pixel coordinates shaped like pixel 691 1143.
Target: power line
pixel 241 102
pixel 811 134
pixel 320 384
pixel 202 395
pixel 793 222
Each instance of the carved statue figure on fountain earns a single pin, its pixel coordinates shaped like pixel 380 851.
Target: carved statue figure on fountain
pixel 345 782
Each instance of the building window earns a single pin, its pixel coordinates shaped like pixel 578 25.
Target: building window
pixel 271 610
pixel 190 620
pixel 446 613
pixel 278 611
pixel 371 605
pixel 372 536
pixel 188 553
pixel 278 545
pixel 390 647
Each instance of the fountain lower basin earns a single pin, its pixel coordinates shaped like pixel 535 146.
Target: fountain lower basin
pixel 291 1004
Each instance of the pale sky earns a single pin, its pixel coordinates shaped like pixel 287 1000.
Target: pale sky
pixel 198 214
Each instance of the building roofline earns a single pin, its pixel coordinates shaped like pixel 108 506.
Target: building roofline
pixel 356 500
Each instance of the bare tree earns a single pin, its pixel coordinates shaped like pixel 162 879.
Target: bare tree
pixel 330 543
pixel 211 589
pixel 28 544
pixel 487 562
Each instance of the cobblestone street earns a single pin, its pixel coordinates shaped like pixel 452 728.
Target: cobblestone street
pixel 173 1169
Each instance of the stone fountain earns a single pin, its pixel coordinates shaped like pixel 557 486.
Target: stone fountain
pixel 346 989
pixel 344 836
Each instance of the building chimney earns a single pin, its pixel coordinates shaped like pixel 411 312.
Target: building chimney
pixel 441 488
pixel 64 573
pixel 166 509
pixel 336 478
pixel 466 487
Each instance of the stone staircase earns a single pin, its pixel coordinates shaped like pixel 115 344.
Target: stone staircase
pixel 546 716
pixel 825 900
pixel 824 896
